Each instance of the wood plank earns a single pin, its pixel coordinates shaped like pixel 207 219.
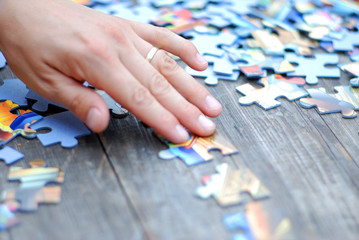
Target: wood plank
pixel 283 146
pixel 93 205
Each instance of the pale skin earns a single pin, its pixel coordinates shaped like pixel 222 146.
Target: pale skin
pixel 56 45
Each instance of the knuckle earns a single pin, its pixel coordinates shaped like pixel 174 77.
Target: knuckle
pixel 168 66
pixel 159 85
pixel 141 97
pixel 161 33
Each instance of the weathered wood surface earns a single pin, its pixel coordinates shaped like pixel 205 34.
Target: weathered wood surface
pixel 117 188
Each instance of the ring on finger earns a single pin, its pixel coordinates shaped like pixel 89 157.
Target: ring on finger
pixel 151 54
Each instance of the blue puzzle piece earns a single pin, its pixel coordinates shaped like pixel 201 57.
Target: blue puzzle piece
pixel 208 44
pixel 211 78
pixel 222 65
pixel 347 42
pixel 2 60
pixel 41 104
pixel 313 67
pixel 239 221
pixel 65 127
pixel 14 90
pixel 10 155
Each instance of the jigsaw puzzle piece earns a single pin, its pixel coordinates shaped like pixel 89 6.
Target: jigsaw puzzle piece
pixel 196 149
pixel 10 155
pixel 2 60
pixel 352 68
pixel 266 97
pixel 212 78
pixel 347 42
pixel 313 67
pixel 65 128
pixel 15 121
pixel 7 218
pixel 327 104
pixel 29 198
pixel 222 65
pixel 347 94
pixel 227 185
pixel 115 108
pixel 14 90
pixel 32 189
pixel 275 64
pixel 208 44
pixel 239 221
pixel 41 104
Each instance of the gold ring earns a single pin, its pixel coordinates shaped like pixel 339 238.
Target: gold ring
pixel 151 54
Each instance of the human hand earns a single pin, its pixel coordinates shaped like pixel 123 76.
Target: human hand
pixel 56 45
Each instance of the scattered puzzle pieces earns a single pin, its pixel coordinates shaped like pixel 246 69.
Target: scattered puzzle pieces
pixel 10 155
pixel 65 128
pixel 196 149
pixel 266 97
pixel 227 185
pixel 327 103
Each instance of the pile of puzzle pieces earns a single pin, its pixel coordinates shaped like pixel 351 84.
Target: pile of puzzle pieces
pixel 276 43
pixel 21 111
pixel 31 192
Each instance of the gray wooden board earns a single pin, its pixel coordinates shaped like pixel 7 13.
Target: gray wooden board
pixel 117 188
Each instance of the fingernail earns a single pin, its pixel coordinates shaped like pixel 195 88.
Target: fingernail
pixel 201 59
pixel 182 132
pixel 206 123
pixel 212 103
pixel 92 118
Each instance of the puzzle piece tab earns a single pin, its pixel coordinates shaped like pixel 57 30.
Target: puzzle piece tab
pixel 41 104
pixel 10 155
pixel 313 67
pixel 65 128
pixel 266 97
pixel 327 103
pixel 227 185
pixel 196 149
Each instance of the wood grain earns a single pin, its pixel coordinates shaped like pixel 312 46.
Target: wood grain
pixel 117 188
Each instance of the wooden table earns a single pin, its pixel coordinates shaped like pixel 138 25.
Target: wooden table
pixel 117 188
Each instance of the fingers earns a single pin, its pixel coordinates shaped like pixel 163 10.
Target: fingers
pixel 191 89
pixel 171 42
pixel 83 102
pixel 139 100
pixel 167 96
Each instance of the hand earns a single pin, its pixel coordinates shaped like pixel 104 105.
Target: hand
pixel 56 45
